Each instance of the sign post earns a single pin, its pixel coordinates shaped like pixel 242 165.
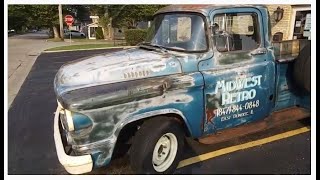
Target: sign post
pixel 69 20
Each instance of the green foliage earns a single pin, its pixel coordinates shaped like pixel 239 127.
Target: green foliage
pixel 135 36
pixel 79 12
pixel 99 33
pixel 135 13
pixel 45 16
pixel 80 46
pixel 34 16
pixel 123 15
pixel 42 15
pixel 17 16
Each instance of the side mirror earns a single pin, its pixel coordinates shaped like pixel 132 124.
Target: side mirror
pixel 214 28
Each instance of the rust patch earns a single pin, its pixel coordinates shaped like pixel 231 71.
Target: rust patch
pixel 275 119
pixel 210 115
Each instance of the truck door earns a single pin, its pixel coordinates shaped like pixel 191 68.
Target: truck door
pixel 239 86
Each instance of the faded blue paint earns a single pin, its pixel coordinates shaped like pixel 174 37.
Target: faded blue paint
pixel 96 156
pixel 194 120
pixel 263 92
pixel 244 65
pixel 139 83
pixel 189 62
pixel 288 94
pixel 81 121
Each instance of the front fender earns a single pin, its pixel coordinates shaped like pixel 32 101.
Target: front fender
pixel 152 114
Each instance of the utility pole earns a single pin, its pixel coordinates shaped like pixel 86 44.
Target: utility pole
pixel 61 22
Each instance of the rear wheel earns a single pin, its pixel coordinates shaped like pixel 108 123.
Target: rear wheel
pixel 157 146
pixel 302 69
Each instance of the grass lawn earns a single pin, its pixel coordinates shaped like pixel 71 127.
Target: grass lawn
pixel 74 39
pixel 81 46
pixel 86 40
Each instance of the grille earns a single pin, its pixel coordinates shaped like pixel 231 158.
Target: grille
pixel 136 74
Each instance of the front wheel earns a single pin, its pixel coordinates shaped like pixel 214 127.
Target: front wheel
pixel 157 146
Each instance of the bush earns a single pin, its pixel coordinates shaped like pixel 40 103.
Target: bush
pixel 99 33
pixel 135 36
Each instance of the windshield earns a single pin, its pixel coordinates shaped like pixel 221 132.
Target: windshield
pixel 181 32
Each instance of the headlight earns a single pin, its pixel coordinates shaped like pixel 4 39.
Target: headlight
pixel 73 121
pixel 81 121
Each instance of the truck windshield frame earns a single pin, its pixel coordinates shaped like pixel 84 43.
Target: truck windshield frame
pixel 179 31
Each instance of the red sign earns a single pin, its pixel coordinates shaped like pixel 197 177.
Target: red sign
pixel 69 20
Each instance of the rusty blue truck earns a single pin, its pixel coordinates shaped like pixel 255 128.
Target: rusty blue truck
pixel 206 72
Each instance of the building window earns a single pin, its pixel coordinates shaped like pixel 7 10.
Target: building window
pixel 299 25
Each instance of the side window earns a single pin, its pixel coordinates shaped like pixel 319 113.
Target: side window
pixel 236 32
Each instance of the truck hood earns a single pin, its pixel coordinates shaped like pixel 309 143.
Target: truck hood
pixel 124 65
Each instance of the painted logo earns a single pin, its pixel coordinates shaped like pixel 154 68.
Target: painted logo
pixel 238 85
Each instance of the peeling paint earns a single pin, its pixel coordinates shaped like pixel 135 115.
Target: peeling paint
pixel 110 106
pixel 115 89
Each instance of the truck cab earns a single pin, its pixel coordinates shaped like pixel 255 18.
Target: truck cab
pixel 203 69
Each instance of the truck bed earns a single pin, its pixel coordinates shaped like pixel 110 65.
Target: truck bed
pixel 285 51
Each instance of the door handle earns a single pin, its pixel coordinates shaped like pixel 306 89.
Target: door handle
pixel 259 52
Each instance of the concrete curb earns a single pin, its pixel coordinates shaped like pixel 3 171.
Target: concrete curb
pixel 118 47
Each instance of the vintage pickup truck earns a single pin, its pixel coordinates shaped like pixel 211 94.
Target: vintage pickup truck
pixel 206 72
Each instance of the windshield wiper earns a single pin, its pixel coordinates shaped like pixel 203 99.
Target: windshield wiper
pixel 162 48
pixel 177 48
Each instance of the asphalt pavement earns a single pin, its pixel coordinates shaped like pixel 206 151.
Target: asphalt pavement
pixel 31 147
pixel 23 50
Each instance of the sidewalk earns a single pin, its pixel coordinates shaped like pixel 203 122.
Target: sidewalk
pixel 23 50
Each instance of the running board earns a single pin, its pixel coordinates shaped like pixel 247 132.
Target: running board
pixel 275 119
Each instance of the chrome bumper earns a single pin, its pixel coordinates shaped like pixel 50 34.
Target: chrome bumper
pixel 72 164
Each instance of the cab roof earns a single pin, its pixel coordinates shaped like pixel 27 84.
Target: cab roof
pixel 204 9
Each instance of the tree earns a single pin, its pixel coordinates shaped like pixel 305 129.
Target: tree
pixel 79 12
pixel 135 13
pixel 31 16
pixel 123 15
pixel 106 13
pixel 46 16
pixel 18 17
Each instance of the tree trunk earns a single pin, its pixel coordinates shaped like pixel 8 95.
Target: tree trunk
pixel 60 21
pixel 56 32
pixel 110 29
pixel 105 33
pixel 134 24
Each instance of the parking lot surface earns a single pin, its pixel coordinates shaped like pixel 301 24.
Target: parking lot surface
pixel 31 148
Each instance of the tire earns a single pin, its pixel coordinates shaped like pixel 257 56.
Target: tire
pixel 302 69
pixel 148 155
